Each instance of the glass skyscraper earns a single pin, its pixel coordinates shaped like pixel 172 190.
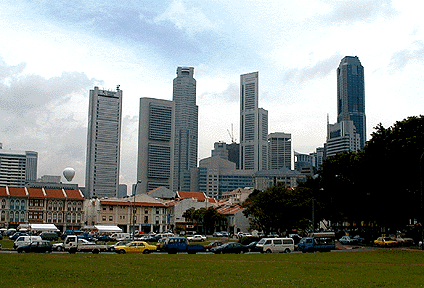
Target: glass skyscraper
pixel 351 95
pixel 186 125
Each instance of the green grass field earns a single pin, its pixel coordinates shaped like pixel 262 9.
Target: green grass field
pixel 383 268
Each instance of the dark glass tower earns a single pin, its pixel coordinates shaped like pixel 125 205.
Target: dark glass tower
pixel 351 95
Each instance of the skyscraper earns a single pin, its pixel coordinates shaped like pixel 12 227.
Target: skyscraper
pixel 279 151
pixel 155 144
pixel 17 167
pixel 253 125
pixel 186 125
pixel 351 95
pixel 103 143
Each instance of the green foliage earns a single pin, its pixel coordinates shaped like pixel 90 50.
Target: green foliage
pixel 207 217
pixel 380 184
pixel 279 209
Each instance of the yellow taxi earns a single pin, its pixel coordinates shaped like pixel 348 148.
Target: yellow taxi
pixel 135 247
pixel 385 242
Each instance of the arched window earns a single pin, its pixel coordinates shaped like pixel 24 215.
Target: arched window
pixel 49 217
pixel 3 216
pixel 22 216
pixel 50 205
pixel 60 217
pixel 78 217
pixel 12 204
pixel 74 217
pixel 22 205
pixel 3 203
pixel 68 217
pixel 12 216
pixel 54 217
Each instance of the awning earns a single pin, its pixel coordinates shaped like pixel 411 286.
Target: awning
pixel 108 228
pixel 39 227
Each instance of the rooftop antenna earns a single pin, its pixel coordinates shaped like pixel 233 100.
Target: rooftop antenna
pixel 117 87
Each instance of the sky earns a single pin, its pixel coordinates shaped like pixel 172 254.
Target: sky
pixel 53 52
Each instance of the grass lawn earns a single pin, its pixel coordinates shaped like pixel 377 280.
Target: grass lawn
pixel 383 268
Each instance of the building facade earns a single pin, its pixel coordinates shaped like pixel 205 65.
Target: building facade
pixel 253 125
pixel 103 143
pixel 23 205
pixel 186 125
pixel 342 137
pixel 269 178
pixel 17 167
pixel 217 175
pixel 155 165
pixel 351 95
pixel 142 213
pixel 279 150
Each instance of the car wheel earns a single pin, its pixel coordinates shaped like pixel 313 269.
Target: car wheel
pixel 59 248
pixel 268 251
pixel 122 252
pixel 146 251
pixel 287 250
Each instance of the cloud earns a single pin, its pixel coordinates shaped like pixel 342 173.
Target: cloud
pixel 345 12
pixel 401 58
pixel 319 70
pixel 48 116
pixel 192 20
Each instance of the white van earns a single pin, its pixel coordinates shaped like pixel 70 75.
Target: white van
pixel 25 240
pixel 275 245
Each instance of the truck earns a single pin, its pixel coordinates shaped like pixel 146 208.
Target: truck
pixel 174 245
pixel 320 242
pixel 73 244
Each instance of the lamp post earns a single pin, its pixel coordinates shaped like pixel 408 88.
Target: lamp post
pixel 421 190
pixel 134 209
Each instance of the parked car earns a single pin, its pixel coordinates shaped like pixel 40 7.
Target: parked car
pixel 217 234
pixel 58 246
pixel 135 247
pixel 275 245
pixel 385 242
pixel 230 247
pixel 212 244
pixel 405 241
pixel 320 241
pixel 52 236
pixel 17 234
pixel 25 240
pixel 43 246
pixel 252 247
pixel 104 238
pixel 196 238
pixel 347 240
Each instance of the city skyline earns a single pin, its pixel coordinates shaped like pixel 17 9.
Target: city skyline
pixel 296 47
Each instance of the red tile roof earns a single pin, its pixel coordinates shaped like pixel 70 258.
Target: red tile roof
pixel 36 192
pixel 54 193
pixel 229 210
pixel 17 191
pixel 3 191
pixel 74 194
pixel 197 195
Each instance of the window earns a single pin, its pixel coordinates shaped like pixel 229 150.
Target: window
pixel 12 206
pixel 146 219
pixel 146 211
pixel 49 217
pixel 3 203
pixel 110 218
pixel 22 206
pixel 110 208
pixel 3 216
pixel 104 218
pixel 22 216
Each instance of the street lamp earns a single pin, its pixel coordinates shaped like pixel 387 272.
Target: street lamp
pixel 134 209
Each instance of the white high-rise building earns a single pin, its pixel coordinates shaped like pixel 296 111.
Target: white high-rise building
pixel 103 143
pixel 279 151
pixel 342 137
pixel 155 144
pixel 186 125
pixel 17 167
pixel 253 125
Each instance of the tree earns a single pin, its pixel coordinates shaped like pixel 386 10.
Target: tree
pixel 279 209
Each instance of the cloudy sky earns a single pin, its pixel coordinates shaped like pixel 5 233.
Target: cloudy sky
pixel 53 52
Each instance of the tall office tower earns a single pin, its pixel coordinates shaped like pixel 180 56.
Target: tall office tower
pixel 186 125
pixel 253 125
pixel 17 168
pixel 341 137
pixel 103 143
pixel 351 95
pixel 155 144
pixel 279 151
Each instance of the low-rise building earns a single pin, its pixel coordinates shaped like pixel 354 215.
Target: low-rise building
pixel 269 178
pixel 25 205
pixel 140 213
